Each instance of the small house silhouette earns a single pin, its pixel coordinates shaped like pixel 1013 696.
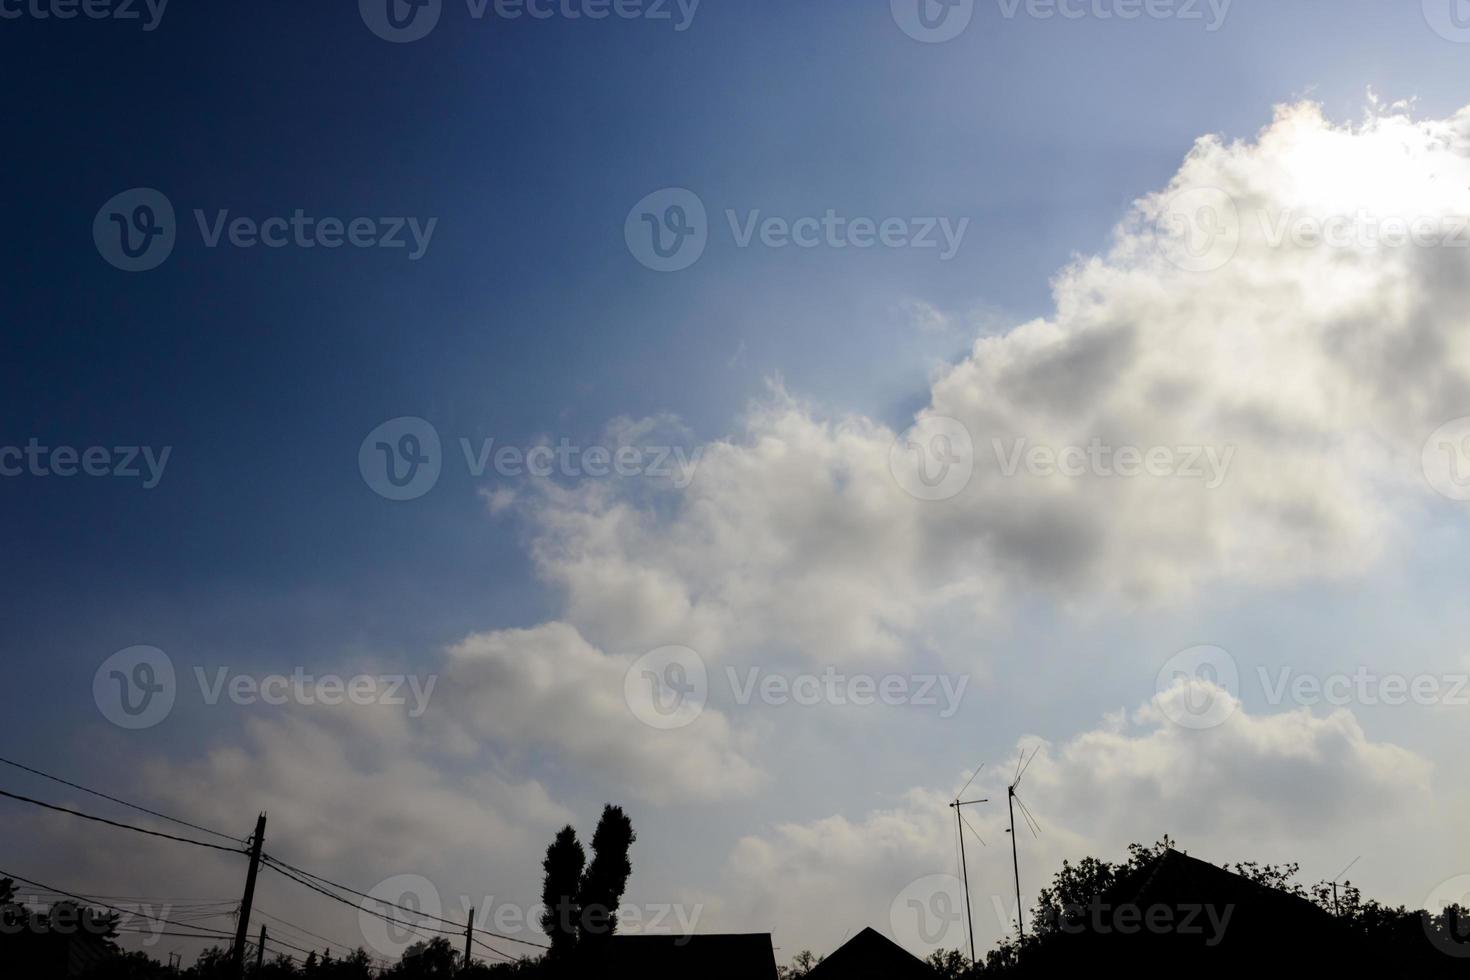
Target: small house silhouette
pixel 748 956
pixel 871 956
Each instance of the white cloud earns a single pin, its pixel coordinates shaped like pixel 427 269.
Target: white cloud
pixel 522 691
pixel 1322 369
pixel 1277 787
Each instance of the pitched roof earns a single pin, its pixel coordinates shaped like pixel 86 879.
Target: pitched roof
pixel 870 955
pixel 747 956
pixel 1211 922
pixel 1177 879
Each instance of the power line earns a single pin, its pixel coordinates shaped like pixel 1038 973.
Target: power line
pixel 423 931
pixel 114 799
pixel 373 898
pixel 122 826
pixel 92 903
pixel 280 866
pixel 199 931
pixel 343 947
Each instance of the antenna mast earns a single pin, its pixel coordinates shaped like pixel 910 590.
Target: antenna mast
pixel 1022 764
pixel 960 824
pixel 1344 871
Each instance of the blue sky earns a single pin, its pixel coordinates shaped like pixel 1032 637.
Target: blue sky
pixel 527 319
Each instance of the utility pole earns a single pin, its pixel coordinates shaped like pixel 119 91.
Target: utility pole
pixel 243 927
pixel 260 950
pixel 1010 805
pixel 469 933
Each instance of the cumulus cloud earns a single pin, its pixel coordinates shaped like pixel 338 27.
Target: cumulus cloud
pixel 547 689
pixel 1290 383
pixel 1270 787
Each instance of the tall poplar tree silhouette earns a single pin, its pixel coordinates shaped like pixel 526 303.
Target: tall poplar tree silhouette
pixel 607 876
pixel 563 866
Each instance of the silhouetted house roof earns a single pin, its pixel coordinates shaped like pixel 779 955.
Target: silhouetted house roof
pixel 871 956
pixel 52 955
pixel 717 957
pixel 1183 914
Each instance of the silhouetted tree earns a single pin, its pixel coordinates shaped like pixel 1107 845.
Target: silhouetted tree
pixel 431 960
pixel 803 964
pixel 602 886
pixel 563 866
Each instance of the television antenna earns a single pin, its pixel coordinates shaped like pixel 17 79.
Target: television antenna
pixel 1339 878
pixel 1012 801
pixel 960 824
